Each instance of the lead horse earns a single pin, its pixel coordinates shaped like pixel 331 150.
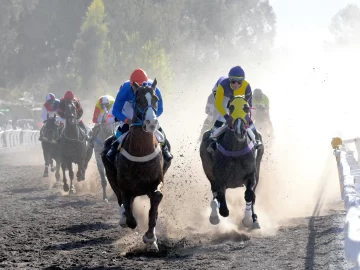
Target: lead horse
pixel 235 163
pixel 140 166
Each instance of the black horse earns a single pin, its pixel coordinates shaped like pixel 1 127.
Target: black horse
pixel 51 148
pixel 73 146
pixel 235 163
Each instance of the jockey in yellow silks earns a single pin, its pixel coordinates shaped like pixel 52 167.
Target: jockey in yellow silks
pixel 102 109
pixel 231 86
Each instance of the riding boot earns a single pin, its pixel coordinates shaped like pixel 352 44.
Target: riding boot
pixel 212 146
pixel 258 142
pixel 111 154
pixel 166 153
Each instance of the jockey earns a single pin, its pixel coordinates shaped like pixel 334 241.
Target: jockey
pixel 260 99
pixel 48 110
pixel 69 95
pixel 123 111
pixel 103 106
pixel 228 87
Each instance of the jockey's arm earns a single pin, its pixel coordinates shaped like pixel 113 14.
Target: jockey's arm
pixel 248 95
pixel 97 112
pixel 122 96
pixel 61 109
pixel 44 114
pixel 79 109
pixel 219 99
pixel 160 107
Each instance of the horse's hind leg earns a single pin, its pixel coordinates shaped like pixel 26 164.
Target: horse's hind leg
pixel 149 237
pixel 250 218
pixel 130 219
pixel 66 186
pixel 101 170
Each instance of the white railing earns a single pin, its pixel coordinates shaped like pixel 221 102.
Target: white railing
pixel 349 178
pixel 18 137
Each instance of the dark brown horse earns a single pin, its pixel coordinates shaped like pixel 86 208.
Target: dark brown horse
pixel 235 163
pixel 73 147
pixel 140 166
pixel 51 148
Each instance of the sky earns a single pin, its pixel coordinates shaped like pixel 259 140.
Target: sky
pixel 306 22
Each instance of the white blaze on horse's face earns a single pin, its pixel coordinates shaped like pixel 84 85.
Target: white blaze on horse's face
pixel 150 121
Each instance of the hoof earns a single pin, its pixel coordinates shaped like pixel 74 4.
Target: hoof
pixel 46 174
pixel 106 200
pixel 214 217
pixel 224 211
pixel 53 169
pixel 247 222
pixel 122 221
pixel 153 247
pixel 131 223
pixel 66 187
pixel 256 225
pixel 72 190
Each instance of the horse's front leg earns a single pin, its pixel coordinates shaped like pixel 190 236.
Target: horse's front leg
pixel 80 175
pixel 250 218
pixel 149 237
pixel 46 159
pixel 66 186
pixel 219 201
pixel 71 175
pixel 57 172
pixel 130 220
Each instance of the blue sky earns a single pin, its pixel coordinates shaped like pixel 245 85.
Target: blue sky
pixel 305 22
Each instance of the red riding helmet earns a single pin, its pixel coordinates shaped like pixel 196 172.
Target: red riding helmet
pixel 138 76
pixel 69 95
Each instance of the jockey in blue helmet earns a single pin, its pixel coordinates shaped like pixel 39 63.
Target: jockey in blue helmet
pixel 229 87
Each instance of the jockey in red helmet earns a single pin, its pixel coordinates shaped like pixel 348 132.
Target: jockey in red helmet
pixel 123 112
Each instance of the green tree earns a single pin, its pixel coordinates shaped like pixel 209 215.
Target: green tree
pixel 92 48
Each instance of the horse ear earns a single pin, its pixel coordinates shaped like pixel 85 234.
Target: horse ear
pixel 153 85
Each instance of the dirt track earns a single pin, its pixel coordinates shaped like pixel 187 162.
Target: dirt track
pixel 42 228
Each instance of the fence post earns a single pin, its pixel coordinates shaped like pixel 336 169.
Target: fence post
pixel 336 143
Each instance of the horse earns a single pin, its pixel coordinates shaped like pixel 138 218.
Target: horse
pixel 140 166
pixel 235 163
pixel 100 133
pixel 51 148
pixel 73 147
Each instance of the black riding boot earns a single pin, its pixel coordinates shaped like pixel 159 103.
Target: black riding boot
pixel 111 154
pixel 166 153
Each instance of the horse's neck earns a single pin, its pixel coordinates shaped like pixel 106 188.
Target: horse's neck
pixel 230 141
pixel 141 143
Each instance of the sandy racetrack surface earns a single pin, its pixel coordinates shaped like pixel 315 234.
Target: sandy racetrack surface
pixel 43 228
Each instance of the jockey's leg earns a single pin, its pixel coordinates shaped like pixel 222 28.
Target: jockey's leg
pixel 111 154
pixel 212 145
pixel 257 138
pixel 42 133
pixel 164 148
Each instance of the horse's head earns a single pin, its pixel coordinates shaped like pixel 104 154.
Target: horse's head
pixel 50 128
pixel 239 109
pixel 70 112
pixel 145 106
